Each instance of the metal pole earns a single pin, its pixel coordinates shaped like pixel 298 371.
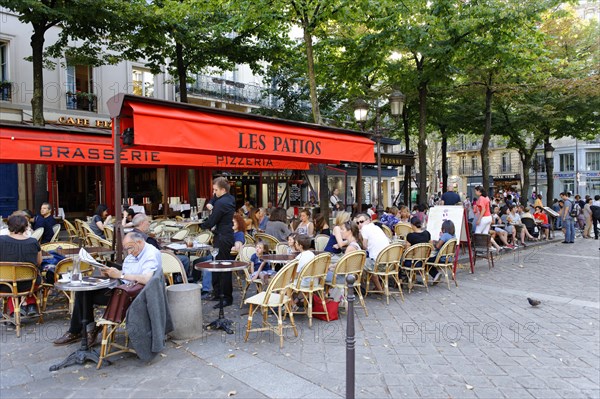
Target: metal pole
pixel 350 339
pixel 379 191
pixel 536 166
pixel 117 243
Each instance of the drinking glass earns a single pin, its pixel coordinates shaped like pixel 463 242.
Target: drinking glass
pixel 214 252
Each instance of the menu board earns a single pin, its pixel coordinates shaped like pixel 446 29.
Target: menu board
pixel 438 214
pixel 295 194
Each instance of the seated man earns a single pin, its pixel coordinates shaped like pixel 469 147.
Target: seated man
pixel 45 220
pixel 139 266
pixel 141 225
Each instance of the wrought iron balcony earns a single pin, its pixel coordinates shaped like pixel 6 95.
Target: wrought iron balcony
pixel 5 91
pixel 82 101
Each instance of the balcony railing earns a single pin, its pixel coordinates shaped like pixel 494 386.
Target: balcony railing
pixel 82 101
pixel 469 171
pixel 230 91
pixel 6 92
pixel 506 169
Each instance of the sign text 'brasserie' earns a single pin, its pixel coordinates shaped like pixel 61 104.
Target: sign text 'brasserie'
pixel 261 142
pixel 95 154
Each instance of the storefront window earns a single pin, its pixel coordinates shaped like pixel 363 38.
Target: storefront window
pixel 567 162
pixel 569 185
pixel 593 186
pixel 592 160
pixel 143 82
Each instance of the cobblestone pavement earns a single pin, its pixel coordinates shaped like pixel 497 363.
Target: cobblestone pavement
pixel 480 340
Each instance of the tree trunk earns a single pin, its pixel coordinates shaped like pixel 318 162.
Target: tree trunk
pixel 323 191
pixel 422 145
pixel 549 171
pixel 485 143
pixel 407 168
pixel 312 81
pixel 444 157
pixel 526 163
pixel 37 55
pixel 181 73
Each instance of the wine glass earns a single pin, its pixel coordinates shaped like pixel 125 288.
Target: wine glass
pixel 214 252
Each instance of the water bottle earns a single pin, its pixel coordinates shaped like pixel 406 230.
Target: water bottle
pixel 76 277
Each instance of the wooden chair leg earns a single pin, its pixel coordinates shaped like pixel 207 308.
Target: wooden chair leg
pixel 280 327
pixel 309 310
pixel 322 296
pixel 249 325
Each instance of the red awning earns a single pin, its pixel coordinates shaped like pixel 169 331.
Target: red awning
pixel 172 126
pixel 26 144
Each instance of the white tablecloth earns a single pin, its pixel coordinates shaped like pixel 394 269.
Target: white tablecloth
pixel 61 213
pixel 180 207
pixel 138 209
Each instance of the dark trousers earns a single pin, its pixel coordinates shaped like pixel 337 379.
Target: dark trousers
pixel 595 225
pixel 222 281
pixel 98 297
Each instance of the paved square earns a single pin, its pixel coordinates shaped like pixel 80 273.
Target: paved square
pixel 480 340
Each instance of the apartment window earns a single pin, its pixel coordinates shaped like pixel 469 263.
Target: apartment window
pixel 3 62
pixel 463 165
pixel 80 87
pixel 592 160
pixel 474 163
pixel 569 185
pixel 541 163
pixel 143 82
pixel 567 162
pixel 506 162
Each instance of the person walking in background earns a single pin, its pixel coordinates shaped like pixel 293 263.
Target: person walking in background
pixel 567 219
pixel 483 216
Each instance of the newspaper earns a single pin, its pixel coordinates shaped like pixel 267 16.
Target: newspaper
pixel 87 258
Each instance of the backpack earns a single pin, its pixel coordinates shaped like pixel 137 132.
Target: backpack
pixel 576 210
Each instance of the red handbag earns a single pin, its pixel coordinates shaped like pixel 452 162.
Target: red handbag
pixel 119 302
pixel 332 308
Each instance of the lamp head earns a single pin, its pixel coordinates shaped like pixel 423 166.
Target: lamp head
pixel 361 110
pixel 397 102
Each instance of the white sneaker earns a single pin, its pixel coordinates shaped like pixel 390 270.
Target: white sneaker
pixel 437 277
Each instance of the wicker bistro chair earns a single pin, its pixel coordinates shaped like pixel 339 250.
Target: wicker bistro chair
pixel 109 233
pixel 482 244
pixel 71 230
pixel 56 229
pixel 321 241
pixel 109 346
pixel 417 255
pixel 172 265
pixel 37 233
pixel 311 280
pixel 388 232
pixel 51 246
pixel 181 234
pixel 205 237
pixel 282 248
pixel 270 241
pixel 351 263
pixel 386 266
pixel 444 260
pixel 402 229
pixel 244 256
pixel 63 267
pixel 248 238
pixel 274 298
pixel 193 227
pixel 13 275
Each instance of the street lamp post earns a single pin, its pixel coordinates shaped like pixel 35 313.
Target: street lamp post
pixel 549 157
pixel 536 168
pixel 361 110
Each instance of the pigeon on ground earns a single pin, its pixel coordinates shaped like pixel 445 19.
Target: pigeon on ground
pixel 533 302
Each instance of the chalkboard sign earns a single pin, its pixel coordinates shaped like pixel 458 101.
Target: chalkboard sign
pixel 295 194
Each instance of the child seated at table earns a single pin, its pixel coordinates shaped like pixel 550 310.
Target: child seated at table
pixel 302 243
pixel 291 241
pixel 258 267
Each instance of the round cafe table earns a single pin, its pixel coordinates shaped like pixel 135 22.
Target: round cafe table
pixel 221 266
pixel 87 285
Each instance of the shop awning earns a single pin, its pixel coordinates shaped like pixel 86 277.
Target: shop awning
pixel 172 126
pixel 52 145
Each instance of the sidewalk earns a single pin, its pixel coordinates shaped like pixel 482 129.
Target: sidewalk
pixel 480 340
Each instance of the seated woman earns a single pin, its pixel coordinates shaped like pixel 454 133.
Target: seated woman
pixel 540 217
pixel 306 227
pixel 500 234
pixel 239 234
pixel 277 225
pixel 128 215
pixel 390 219
pixel 447 233
pixel 321 225
pixel 16 247
pixel 97 224
pixel 404 214
pixel 350 233
pixel 336 240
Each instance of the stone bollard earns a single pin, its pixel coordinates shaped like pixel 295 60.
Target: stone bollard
pixel 186 310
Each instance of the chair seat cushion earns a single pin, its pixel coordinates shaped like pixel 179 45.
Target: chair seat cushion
pixel 259 299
